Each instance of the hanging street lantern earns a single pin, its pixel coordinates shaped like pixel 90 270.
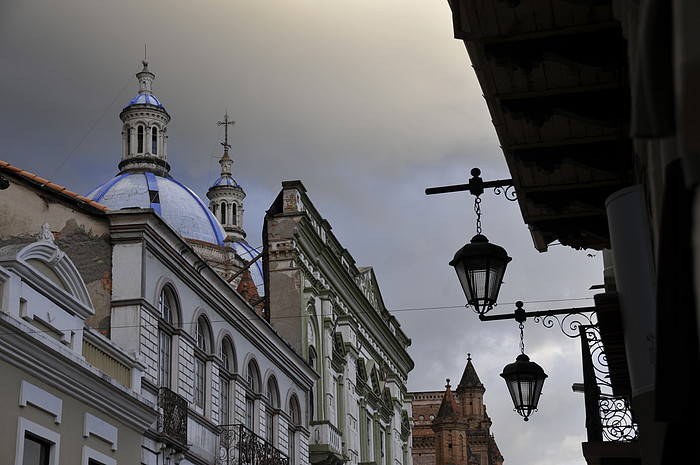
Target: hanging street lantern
pixel 524 378
pixel 480 267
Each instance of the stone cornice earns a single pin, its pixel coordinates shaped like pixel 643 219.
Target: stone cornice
pixel 47 361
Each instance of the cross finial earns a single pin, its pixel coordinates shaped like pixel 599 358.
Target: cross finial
pixel 226 123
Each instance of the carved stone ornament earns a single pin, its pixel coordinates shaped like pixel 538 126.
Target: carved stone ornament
pixel 45 235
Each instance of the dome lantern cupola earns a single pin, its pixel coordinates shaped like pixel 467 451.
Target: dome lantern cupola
pixel 225 195
pixel 144 130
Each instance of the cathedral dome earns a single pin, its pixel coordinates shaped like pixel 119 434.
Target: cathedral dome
pixel 176 203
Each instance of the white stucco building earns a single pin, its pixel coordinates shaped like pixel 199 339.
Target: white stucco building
pixel 211 380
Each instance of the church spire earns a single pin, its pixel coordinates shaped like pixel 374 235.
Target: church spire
pixel 450 428
pixel 225 195
pixel 225 160
pixel 448 407
pixel 144 139
pixel 470 380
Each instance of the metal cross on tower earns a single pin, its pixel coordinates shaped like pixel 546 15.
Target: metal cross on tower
pixel 226 123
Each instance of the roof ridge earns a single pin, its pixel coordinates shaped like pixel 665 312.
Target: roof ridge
pixel 50 185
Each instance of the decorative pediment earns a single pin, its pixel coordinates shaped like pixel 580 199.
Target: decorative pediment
pixel 339 351
pixel 386 397
pixel 45 267
pixel 361 371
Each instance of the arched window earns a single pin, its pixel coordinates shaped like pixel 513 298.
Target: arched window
pixel 227 368
pixel 294 426
pixel 128 140
pixel 139 138
pixel 201 336
pixel 167 310
pixel 272 395
pixel 154 141
pixel 312 362
pixel 234 215
pixel 223 212
pixel 253 378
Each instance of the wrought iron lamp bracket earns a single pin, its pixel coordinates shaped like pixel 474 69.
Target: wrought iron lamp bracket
pixel 569 320
pixel 476 187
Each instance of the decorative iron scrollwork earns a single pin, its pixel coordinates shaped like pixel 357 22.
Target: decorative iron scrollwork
pixel 508 192
pixel 172 422
pixel 240 446
pixel 569 323
pixel 609 417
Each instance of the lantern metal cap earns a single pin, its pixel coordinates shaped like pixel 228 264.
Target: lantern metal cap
pixel 479 245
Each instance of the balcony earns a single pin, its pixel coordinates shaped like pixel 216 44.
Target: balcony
pixel 327 443
pixel 172 423
pixel 612 433
pixel 240 446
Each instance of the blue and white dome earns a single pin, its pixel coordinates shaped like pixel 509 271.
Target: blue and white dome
pixel 145 99
pixel 176 203
pixel 225 180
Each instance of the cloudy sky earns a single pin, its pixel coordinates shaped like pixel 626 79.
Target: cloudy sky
pixel 368 103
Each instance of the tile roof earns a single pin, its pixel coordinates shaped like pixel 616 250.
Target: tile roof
pixel 45 183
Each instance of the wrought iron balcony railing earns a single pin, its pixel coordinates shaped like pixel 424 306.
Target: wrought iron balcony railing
pixel 240 446
pixel 172 423
pixel 608 417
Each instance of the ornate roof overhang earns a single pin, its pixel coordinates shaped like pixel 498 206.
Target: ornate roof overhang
pixel 554 76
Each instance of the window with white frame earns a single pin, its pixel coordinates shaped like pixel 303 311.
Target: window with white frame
pixel 225 374
pixel 272 396
pixel 382 447
pixel 167 309
pixel 93 457
pixel 294 427
pixel 253 378
pixel 202 338
pixel 312 361
pixel 368 428
pixel 37 445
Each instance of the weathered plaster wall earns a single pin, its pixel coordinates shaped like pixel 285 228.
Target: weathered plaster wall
pixel 81 235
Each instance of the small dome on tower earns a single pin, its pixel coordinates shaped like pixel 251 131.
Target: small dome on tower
pixel 145 99
pixel 225 181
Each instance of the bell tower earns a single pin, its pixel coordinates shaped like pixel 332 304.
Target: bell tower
pixel 471 393
pixel 450 428
pixel 225 195
pixel 144 130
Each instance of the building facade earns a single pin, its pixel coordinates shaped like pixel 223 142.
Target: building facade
pixel 70 395
pixel 156 266
pixel 331 312
pixel 452 427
